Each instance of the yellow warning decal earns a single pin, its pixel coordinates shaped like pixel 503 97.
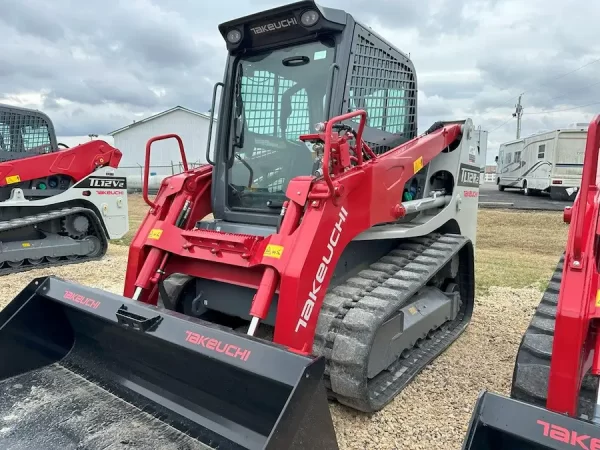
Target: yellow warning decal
pixel 412 310
pixel 598 299
pixel 155 234
pixel 13 179
pixel 25 244
pixel 273 251
pixel 418 164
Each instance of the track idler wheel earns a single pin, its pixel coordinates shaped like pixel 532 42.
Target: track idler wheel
pixel 96 246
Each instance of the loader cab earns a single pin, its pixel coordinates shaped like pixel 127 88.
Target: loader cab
pixel 288 69
pixel 24 133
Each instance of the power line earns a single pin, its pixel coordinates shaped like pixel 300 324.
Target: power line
pixel 545 84
pixel 574 90
pixel 560 110
pixel 550 111
pixel 499 126
pixel 503 106
pixel 572 71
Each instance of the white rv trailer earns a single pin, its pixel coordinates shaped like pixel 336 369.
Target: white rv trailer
pixel 549 162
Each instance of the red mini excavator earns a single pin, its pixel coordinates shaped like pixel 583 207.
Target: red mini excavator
pixel 325 250
pixel 554 400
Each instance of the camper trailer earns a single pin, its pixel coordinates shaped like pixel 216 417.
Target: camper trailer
pixel 550 162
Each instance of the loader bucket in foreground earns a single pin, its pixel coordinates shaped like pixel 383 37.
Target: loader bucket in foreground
pixel 83 368
pixel 501 423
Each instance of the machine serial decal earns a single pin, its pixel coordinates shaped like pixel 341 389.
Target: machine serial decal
pixel 468 175
pixel 215 345
pixel 317 283
pixel 13 179
pixel 578 441
pixel 273 251
pixel 81 299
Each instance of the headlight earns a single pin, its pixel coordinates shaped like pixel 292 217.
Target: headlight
pixel 234 36
pixel 309 18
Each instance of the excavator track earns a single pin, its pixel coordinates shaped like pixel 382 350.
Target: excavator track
pixel 37 255
pixel 354 313
pixel 532 368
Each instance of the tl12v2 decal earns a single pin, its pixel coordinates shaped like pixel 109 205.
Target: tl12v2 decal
pixel 103 183
pixel 468 175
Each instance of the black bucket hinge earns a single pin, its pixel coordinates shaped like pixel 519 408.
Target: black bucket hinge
pixel 135 321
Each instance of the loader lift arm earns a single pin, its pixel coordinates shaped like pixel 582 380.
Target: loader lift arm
pixel 315 213
pixel 554 400
pixel 578 308
pixel 73 164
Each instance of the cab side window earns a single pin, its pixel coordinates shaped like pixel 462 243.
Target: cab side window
pixel 541 151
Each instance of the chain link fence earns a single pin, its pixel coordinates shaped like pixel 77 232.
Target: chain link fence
pixel 157 173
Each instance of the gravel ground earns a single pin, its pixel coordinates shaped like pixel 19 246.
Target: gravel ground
pixel 108 273
pixel 433 412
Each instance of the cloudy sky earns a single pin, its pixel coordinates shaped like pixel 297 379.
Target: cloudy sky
pixel 97 65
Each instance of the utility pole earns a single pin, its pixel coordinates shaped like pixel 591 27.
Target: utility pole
pixel 518 114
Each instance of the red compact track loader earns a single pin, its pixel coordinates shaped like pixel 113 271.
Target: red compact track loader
pixel 325 250
pixel 554 400
pixel 57 205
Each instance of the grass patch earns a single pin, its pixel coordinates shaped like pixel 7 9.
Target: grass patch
pixel 514 248
pixel 517 248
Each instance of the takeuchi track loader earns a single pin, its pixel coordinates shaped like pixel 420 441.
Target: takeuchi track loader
pixel 554 402
pixel 325 250
pixel 58 205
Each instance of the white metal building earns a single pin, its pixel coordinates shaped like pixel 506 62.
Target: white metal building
pixel 490 174
pixel 191 126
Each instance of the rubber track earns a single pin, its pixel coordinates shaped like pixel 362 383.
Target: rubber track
pixel 97 230
pixel 353 312
pixel 532 368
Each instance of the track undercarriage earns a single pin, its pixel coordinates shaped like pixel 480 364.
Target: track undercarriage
pixel 52 238
pixel 378 330
pixel 532 368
